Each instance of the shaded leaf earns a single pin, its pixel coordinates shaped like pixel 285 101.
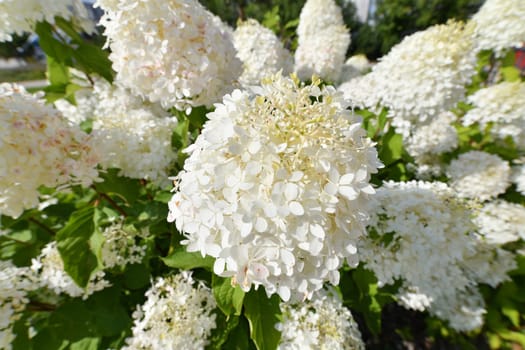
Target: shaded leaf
pixel 263 314
pixel 73 245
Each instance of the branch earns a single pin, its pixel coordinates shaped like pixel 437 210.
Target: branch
pixel 43 226
pixel 111 202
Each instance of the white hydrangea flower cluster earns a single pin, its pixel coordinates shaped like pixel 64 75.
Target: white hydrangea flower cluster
pixel 49 270
pixel 518 177
pixel 38 147
pixel 502 106
pixel 479 175
pixel 434 249
pixel 421 77
pixel 427 142
pixel 275 187
pixel 174 52
pixel 463 310
pixel 120 246
pixel 354 67
pixel 77 113
pixel 436 138
pixel 322 40
pixel 19 17
pixel 134 137
pixel 176 315
pixel 361 92
pixel 500 222
pixel 130 134
pixel 15 283
pixel 261 52
pixel 321 323
pixel 499 25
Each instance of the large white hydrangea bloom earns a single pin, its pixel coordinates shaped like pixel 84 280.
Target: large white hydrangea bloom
pixel 500 222
pixel 499 25
pixel 174 52
pixel 421 233
pixel 422 76
pixel 49 271
pixel 322 41
pixel 479 175
pixel 38 147
pixel 177 315
pixel 275 187
pixel 261 52
pixel 19 17
pixel 322 323
pixel 502 106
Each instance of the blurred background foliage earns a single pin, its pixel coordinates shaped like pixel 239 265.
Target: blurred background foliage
pixel 386 25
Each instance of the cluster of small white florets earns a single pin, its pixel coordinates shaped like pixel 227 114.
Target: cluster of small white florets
pixel 463 310
pixel 49 269
pixel 500 222
pixel 321 323
pixel 120 246
pixel 479 175
pixel 38 147
pixel 322 40
pixel 361 92
pixel 19 17
pixel 85 103
pixel 427 142
pixel 499 25
pixel 15 283
pixel 133 136
pixel 419 78
pixel 174 52
pixel 276 186
pixel 129 133
pixel 176 315
pixel 433 250
pixel 501 106
pixel 261 52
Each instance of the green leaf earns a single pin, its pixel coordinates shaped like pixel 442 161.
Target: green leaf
pixel 228 298
pixel 272 19
pixel 86 344
pixel 221 333
pixel 125 188
pixel 74 247
pixel 92 59
pixel 179 138
pixel 181 259
pixel 68 28
pixel 391 148
pixel 238 338
pixel 510 74
pixel 52 46
pixel 57 72
pixel 198 117
pixel 512 314
pixel 263 314
pixel 108 316
pixel 513 336
pixel 136 276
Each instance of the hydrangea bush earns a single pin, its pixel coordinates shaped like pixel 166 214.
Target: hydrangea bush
pixel 189 185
